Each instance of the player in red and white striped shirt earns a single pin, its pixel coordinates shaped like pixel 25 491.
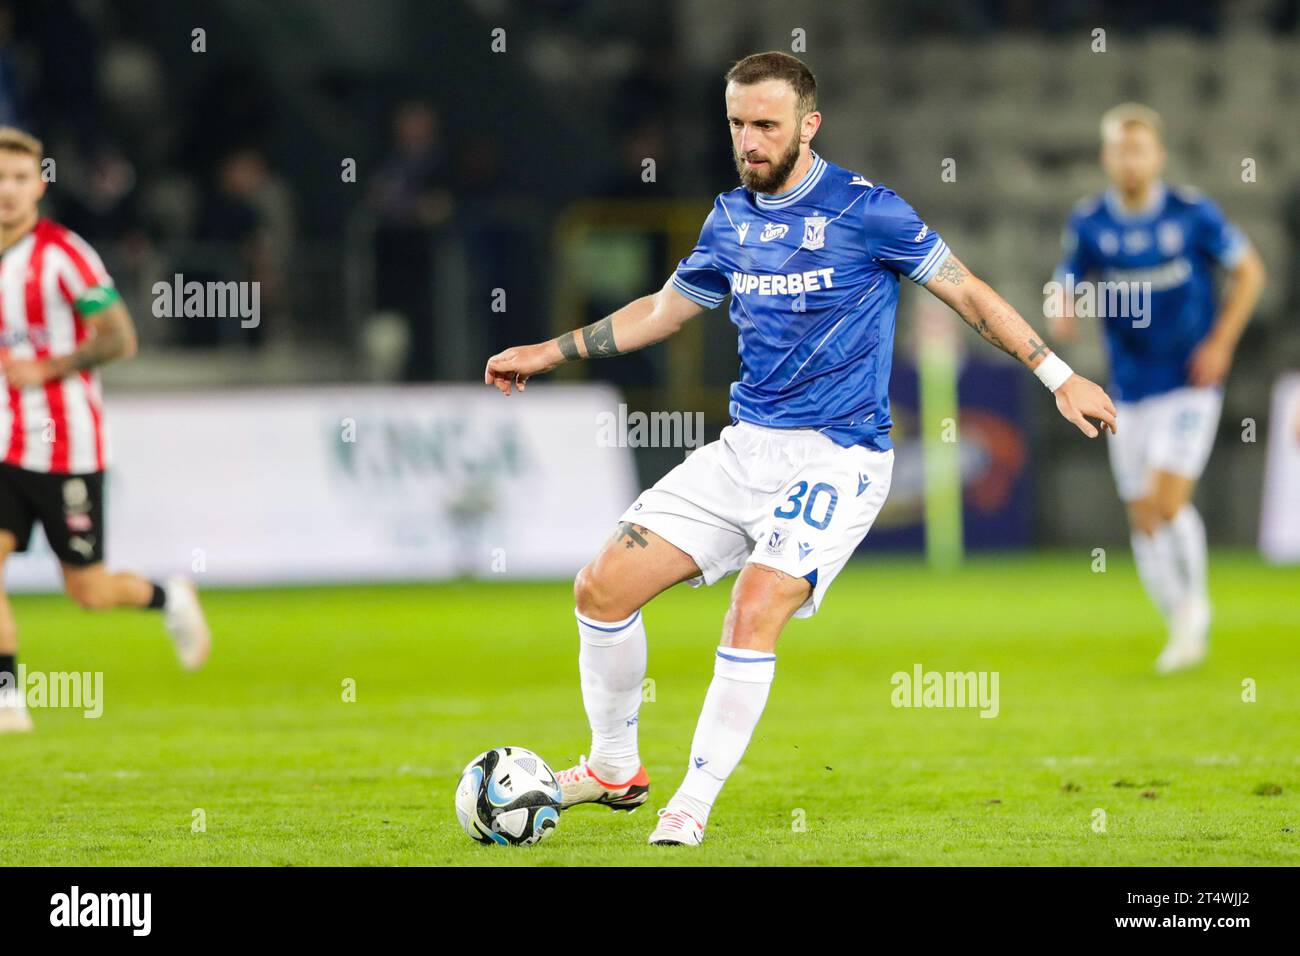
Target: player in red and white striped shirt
pixel 60 319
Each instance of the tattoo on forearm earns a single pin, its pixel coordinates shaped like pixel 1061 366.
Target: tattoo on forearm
pixel 989 315
pixel 633 534
pixel 951 271
pixel 568 344
pixel 109 342
pixel 981 325
pixel 599 339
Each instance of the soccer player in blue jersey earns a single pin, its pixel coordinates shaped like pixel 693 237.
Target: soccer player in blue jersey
pixel 811 255
pixel 1147 253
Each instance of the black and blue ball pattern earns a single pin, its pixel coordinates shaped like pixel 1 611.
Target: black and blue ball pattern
pixel 508 796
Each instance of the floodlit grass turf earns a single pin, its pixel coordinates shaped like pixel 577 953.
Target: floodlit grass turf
pixel 287 773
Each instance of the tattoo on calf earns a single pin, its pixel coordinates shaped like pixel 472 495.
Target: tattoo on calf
pixel 633 535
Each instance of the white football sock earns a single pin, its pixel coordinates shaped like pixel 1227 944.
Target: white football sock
pixel 1187 536
pixel 611 665
pixel 732 707
pixel 1158 569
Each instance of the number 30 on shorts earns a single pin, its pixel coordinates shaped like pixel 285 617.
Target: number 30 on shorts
pixel 796 503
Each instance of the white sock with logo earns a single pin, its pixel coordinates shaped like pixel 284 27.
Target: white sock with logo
pixel 1158 568
pixel 1187 538
pixel 737 695
pixel 611 666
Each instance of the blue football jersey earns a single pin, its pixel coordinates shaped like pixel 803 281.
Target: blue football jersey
pixel 813 278
pixel 1174 245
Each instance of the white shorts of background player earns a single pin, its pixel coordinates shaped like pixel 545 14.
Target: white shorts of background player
pixel 1172 432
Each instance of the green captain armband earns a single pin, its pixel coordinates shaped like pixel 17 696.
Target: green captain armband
pixel 97 299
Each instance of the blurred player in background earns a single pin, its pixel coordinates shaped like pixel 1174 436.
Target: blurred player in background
pixel 811 255
pixel 1168 358
pixel 60 319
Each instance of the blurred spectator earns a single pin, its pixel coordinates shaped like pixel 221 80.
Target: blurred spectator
pixel 98 197
pixel 11 112
pixel 99 202
pixel 413 203
pixel 245 233
pixel 647 139
pixel 58 64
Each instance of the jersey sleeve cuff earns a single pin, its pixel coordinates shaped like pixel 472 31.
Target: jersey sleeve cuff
pixel 1234 254
pixel 701 297
pixel 930 264
pixel 96 299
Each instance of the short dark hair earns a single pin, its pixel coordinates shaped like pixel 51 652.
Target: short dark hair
pixel 776 65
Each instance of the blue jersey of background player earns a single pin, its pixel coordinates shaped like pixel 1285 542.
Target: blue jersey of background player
pixel 1171 247
pixel 813 276
pixel 1170 349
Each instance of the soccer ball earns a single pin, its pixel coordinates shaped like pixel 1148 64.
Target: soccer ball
pixel 509 796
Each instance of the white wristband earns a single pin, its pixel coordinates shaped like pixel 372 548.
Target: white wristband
pixel 1052 372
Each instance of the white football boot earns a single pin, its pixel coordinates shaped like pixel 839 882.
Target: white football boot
pixel 677 828
pixel 14 718
pixel 1189 637
pixel 186 623
pixel 579 785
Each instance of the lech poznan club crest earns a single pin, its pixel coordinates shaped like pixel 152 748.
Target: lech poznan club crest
pixel 814 232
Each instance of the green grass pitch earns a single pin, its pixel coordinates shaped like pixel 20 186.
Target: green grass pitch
pixel 287 773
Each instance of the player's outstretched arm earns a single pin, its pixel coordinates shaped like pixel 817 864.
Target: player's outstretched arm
pixel 1210 362
pixel 642 322
pixel 113 338
pixel 1077 399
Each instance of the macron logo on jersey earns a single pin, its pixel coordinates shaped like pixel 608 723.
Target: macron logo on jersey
pixel 793 283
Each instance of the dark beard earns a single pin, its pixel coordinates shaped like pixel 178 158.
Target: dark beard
pixel 767 181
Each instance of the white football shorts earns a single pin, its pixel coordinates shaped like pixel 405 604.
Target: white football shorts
pixel 788 498
pixel 1173 432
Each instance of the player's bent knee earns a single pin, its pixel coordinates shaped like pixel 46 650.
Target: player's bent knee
pixel 8 545
pixel 1166 507
pixel 1143 516
pixel 596 598
pixel 761 603
pixel 755 624
pixel 746 620
pixel 584 589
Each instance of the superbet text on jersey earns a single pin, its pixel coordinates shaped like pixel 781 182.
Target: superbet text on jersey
pixel 813 277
